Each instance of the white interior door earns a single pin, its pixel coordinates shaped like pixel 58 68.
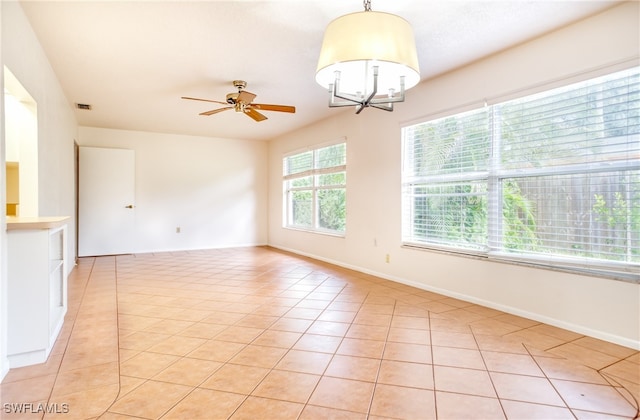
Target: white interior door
pixel 106 184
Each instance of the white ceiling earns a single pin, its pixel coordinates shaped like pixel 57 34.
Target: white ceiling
pixel 133 60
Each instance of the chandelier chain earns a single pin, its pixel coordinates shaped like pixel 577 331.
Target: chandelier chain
pixel 367 5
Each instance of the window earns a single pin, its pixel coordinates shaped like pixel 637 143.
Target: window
pixel 315 189
pixel 551 179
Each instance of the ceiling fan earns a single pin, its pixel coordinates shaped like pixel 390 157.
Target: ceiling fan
pixel 241 101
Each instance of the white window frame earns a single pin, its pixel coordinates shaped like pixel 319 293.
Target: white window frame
pixel 314 188
pixel 493 177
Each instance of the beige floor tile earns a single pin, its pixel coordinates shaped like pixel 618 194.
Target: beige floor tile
pixel 536 339
pixel 456 357
pixel 128 384
pixel 205 404
pixel 373 319
pixel 368 332
pixel 218 351
pixel 312 412
pixel 315 300
pixel 262 408
pixel 223 318
pixel 459 406
pixel 85 404
pixel 337 316
pixel 407 352
pixel 291 324
pixel 524 410
pixel 51 366
pixel 526 388
pixel 462 315
pixel 287 386
pixel 187 371
pixel 318 343
pixel 199 330
pixel 493 327
pixel 584 356
pixel 144 402
pixel 138 323
pixel 146 365
pixel 592 397
pixel 27 390
pixel 412 322
pixel 275 338
pixel 406 374
pixel 337 329
pixel 257 321
pixel 405 335
pixel 350 367
pixel 305 362
pixel 142 340
pixel 463 381
pixel 260 356
pixel 400 402
pixel 516 320
pixel 238 334
pixel 303 313
pixel 361 348
pixel 177 345
pixel 343 394
pixel 569 370
pixel 556 332
pixel 453 339
pixel 605 347
pixel 624 369
pixel 444 324
pixel 500 344
pixel 71 381
pixel 235 378
pixel 521 364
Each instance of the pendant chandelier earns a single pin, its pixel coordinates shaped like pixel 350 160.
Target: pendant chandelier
pixel 368 59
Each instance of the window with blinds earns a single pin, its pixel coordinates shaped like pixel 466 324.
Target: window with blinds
pixel 315 184
pixel 550 179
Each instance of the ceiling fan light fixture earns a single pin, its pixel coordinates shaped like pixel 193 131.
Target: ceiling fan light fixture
pixel 368 59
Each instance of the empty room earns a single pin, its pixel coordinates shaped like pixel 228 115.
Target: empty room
pixel 281 209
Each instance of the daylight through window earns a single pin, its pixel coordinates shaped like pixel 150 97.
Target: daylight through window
pixel 315 189
pixel 552 179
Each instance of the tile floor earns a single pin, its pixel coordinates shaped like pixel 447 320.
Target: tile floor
pixel 255 333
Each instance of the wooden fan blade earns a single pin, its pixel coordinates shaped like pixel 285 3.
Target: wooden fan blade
pixel 279 108
pixel 204 100
pixel 245 97
pixel 254 114
pixel 215 111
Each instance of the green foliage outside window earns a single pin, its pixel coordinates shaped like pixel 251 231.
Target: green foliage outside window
pixel 315 189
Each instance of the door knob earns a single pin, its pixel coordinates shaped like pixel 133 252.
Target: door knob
pixel 130 206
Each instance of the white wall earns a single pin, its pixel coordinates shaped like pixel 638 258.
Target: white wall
pixel 4 362
pixel 214 189
pixel 23 55
pixel 603 308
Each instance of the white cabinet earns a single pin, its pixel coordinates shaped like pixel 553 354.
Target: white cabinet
pixel 37 287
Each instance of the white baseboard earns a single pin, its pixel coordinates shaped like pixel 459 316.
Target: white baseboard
pixel 580 329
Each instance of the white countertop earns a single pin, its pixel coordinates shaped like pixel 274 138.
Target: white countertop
pixel 15 223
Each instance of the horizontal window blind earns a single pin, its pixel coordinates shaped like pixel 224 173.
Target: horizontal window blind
pixel 551 178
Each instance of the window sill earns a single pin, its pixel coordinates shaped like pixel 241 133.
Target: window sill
pixel 320 232
pixel 625 276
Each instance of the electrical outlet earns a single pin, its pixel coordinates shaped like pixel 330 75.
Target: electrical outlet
pixel 178 229
pixel 387 258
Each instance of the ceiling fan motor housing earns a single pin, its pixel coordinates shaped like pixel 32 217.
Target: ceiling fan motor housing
pixel 232 98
